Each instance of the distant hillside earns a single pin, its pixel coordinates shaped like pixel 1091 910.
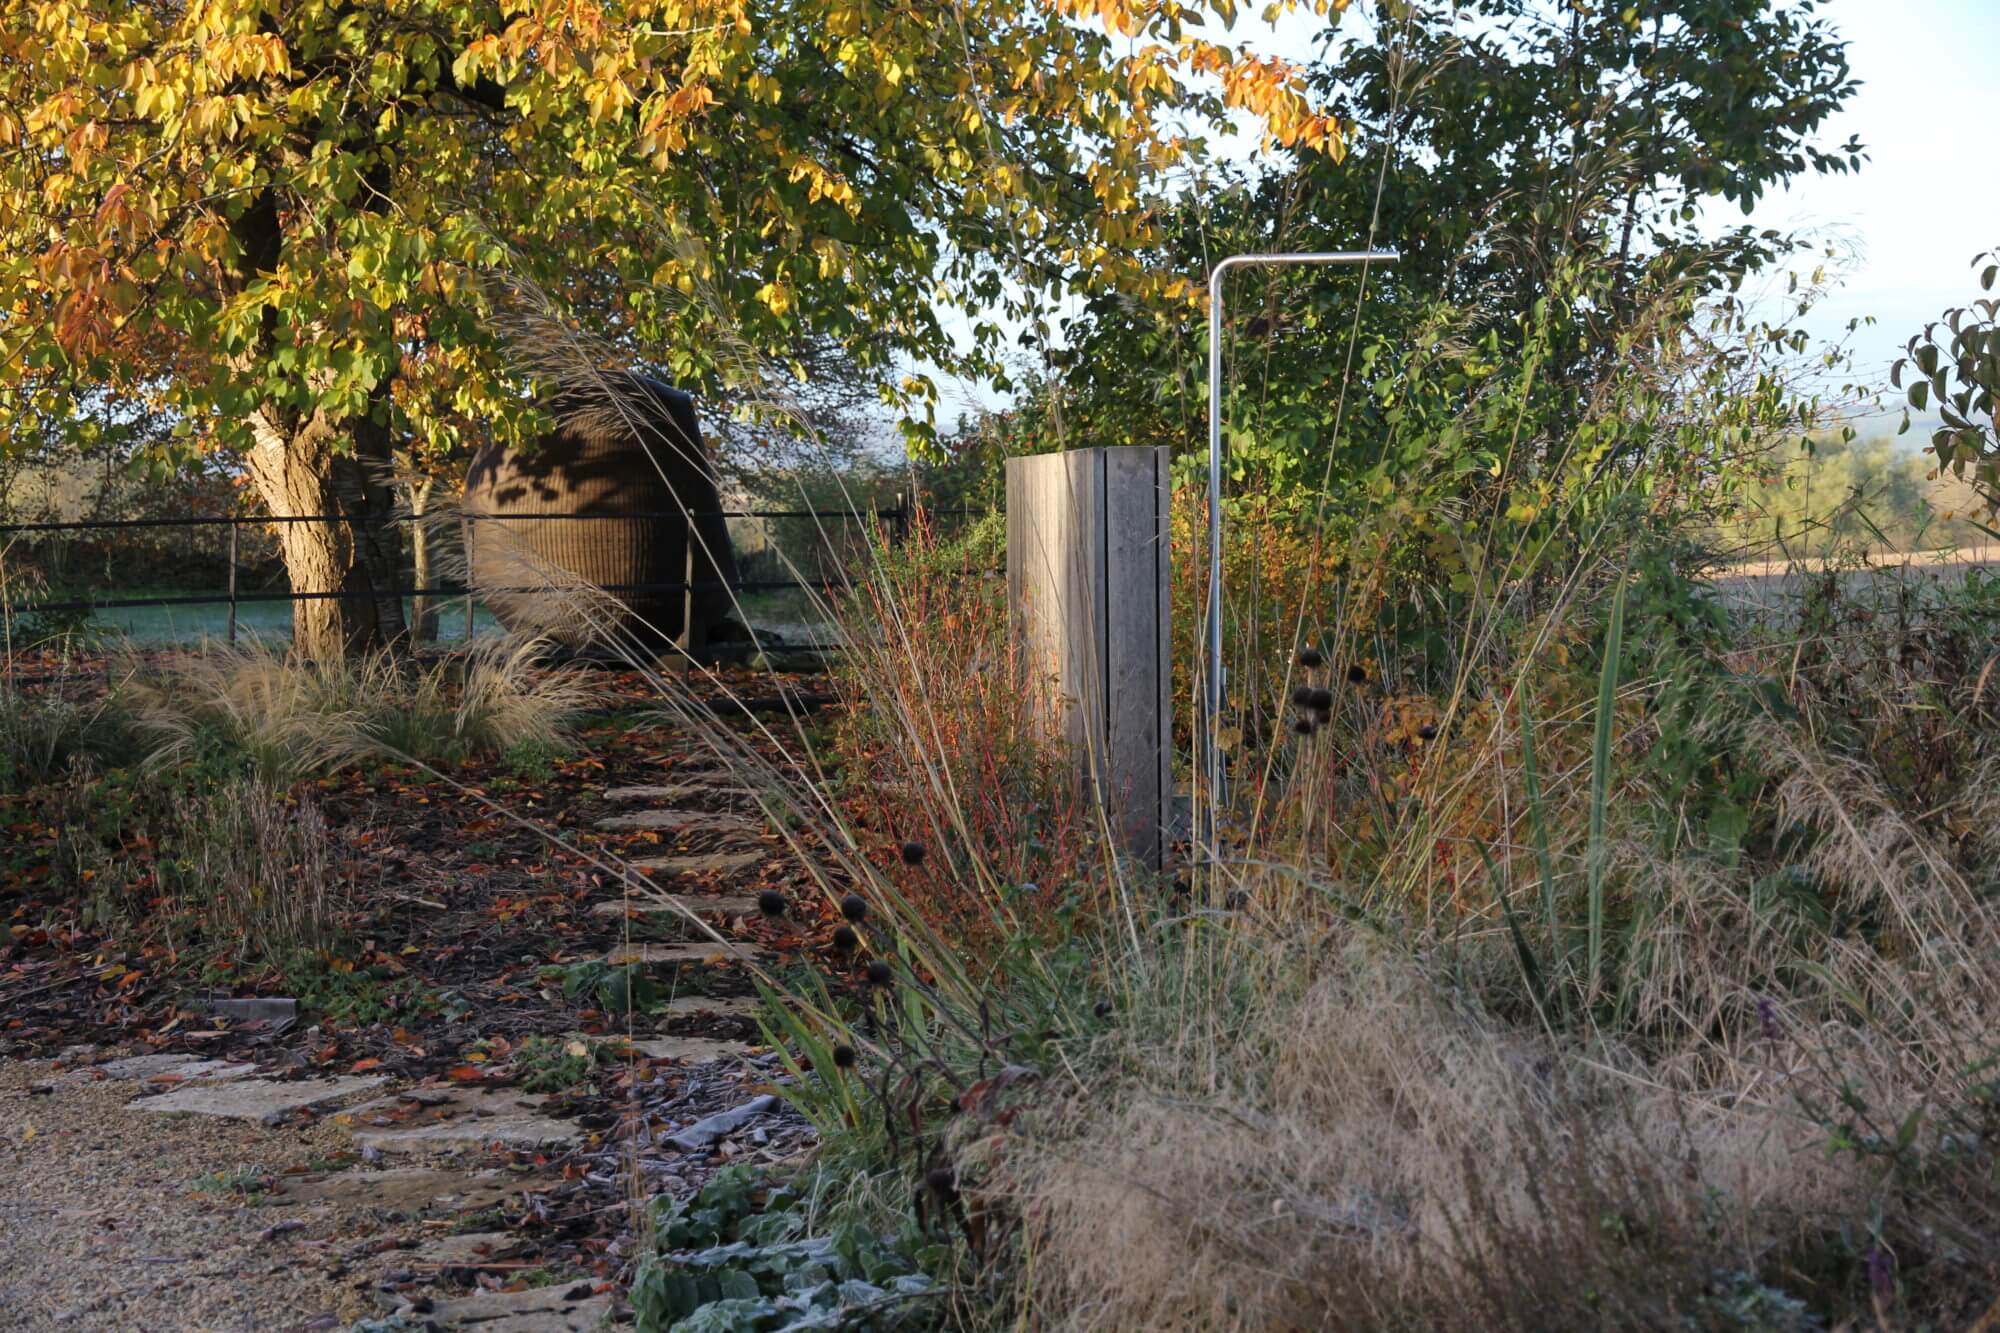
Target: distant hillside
pixel 1873 493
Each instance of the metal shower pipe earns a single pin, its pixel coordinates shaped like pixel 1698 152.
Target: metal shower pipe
pixel 1212 683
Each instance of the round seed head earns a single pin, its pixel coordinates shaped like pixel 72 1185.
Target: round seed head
pixel 942 1181
pixel 1322 715
pixel 854 907
pixel 1237 900
pixel 844 939
pixel 1428 731
pixel 843 1057
pixel 1311 657
pixel 1102 1008
pixel 1303 696
pixel 771 903
pixel 913 853
pixel 879 973
pixel 1303 727
pixel 1320 699
pixel 1357 674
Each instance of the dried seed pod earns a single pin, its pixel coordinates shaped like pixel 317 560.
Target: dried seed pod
pixel 845 940
pixel 843 1057
pixel 1303 696
pixel 854 907
pixel 913 853
pixel 1357 674
pixel 879 973
pixel 1311 657
pixel 771 903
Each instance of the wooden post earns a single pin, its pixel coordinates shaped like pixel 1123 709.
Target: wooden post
pixel 1087 588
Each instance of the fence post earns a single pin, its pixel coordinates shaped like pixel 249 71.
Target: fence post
pixel 234 528
pixel 465 545
pixel 1087 592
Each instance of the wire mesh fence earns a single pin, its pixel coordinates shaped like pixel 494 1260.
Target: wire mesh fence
pixel 72 570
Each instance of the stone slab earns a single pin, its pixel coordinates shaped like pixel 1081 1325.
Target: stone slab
pixel 680 904
pixel 470 1119
pixel 539 1310
pixel 691 1050
pixel 469 1249
pixel 256 1099
pixel 722 1006
pixel 677 821
pixel 274 1010
pixel 669 791
pixel 705 863
pixel 401 1189
pixel 179 1066
pixel 707 951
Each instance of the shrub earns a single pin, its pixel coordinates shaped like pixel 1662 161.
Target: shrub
pixel 56 731
pixel 256 869
pixel 287 718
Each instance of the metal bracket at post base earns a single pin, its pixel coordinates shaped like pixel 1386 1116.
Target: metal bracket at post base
pixel 1210 679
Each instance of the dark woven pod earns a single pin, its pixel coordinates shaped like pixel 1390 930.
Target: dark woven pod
pixel 633 451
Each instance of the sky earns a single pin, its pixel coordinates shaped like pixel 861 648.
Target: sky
pixel 1926 200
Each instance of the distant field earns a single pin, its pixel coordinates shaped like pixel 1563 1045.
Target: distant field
pixel 1772 583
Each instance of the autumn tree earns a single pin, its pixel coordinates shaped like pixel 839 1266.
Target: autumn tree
pixel 290 225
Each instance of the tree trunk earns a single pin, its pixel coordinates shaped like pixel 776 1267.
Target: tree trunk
pixel 347 561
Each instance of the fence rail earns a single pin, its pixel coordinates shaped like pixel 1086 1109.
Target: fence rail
pixel 896 520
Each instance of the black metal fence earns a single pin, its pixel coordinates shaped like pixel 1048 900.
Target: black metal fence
pixel 893 524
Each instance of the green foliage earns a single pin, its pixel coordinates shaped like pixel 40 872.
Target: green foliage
pixel 1953 368
pixel 555 1064
pixel 1482 399
pixel 745 1253
pixel 532 760
pixel 616 990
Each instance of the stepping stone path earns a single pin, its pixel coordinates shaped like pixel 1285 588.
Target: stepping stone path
pixel 727 863
pixel 679 904
pixel 402 1189
pixel 672 791
pixel 680 821
pixel 449 1129
pixel 722 1006
pixel 557 1309
pixel 270 1100
pixel 168 1069
pixel 457 1121
pixel 691 1050
pixel 682 954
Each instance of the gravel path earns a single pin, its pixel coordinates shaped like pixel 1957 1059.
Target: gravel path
pixel 104 1227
